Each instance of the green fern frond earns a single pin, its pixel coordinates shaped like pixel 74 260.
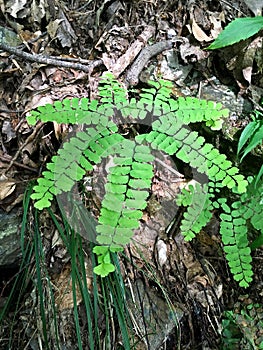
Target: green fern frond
pixel 125 196
pixel 74 159
pixel 234 227
pixel 186 110
pixel 129 180
pixel 191 148
pixel 198 201
pixel 127 189
pixel 233 230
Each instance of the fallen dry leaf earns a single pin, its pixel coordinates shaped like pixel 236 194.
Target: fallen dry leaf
pixel 216 20
pixel 198 33
pixel 53 26
pixel 16 6
pixel 6 188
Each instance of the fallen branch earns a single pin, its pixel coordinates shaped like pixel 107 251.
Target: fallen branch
pixel 146 54
pixel 8 159
pixel 50 61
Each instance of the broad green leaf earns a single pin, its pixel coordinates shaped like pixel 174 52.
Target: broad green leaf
pixel 118 179
pixel 140 174
pixel 237 30
pixel 115 188
pixel 133 214
pixel 104 239
pixel 140 195
pixel 143 157
pixel 232 171
pixel 109 217
pixel 32 118
pixel 135 204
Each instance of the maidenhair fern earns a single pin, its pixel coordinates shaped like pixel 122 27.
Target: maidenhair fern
pixel 129 177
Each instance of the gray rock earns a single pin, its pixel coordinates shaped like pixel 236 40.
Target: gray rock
pixel 10 250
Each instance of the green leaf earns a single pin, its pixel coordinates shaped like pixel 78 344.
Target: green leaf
pixel 135 204
pixel 260 173
pixel 115 188
pixel 258 242
pixel 140 174
pixel 140 183
pixel 129 223
pixel 246 134
pixel 256 139
pixel 237 30
pixel 32 118
pixel 100 250
pixel 104 269
pixel 42 203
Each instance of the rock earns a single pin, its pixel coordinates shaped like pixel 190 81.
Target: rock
pixel 10 249
pixel 153 313
pixel 237 105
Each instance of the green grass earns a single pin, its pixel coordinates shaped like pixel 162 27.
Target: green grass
pixel 104 300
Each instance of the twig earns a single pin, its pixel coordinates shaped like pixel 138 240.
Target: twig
pixel 51 61
pixel 8 159
pixel 11 111
pixel 172 170
pixel 128 57
pixel 146 54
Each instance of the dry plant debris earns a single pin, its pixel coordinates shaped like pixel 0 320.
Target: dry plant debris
pixel 50 50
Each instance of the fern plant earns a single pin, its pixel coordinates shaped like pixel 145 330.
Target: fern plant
pixel 129 179
pixel 242 327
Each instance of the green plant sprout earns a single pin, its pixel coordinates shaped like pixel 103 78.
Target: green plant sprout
pixel 129 178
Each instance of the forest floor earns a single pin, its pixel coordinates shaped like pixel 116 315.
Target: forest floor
pixel 70 44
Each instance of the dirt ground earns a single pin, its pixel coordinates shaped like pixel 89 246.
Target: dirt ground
pixel 59 49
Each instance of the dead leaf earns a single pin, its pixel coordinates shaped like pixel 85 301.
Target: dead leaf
pixel 250 57
pixel 8 130
pixel 53 26
pixel 247 73
pixel 15 6
pixel 9 37
pixel 65 32
pixel 39 100
pixel 18 200
pixel 6 187
pixel 38 10
pixel 61 130
pixel 161 252
pixel 190 53
pixel 198 33
pixel 255 6
pixel 216 20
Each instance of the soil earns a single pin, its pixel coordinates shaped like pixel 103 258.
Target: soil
pixel 93 37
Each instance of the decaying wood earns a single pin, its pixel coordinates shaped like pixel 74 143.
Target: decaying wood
pixel 51 61
pixel 146 54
